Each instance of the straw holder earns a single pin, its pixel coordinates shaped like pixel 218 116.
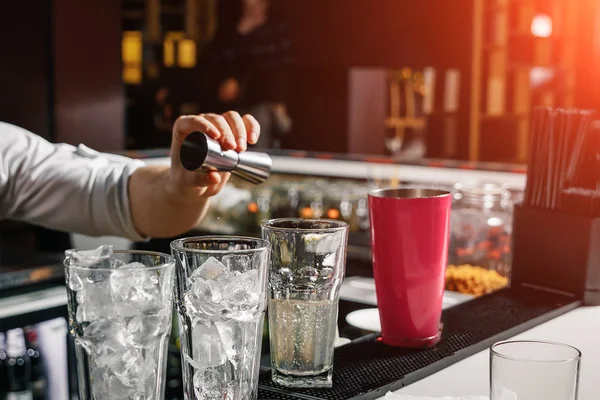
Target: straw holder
pixel 557 252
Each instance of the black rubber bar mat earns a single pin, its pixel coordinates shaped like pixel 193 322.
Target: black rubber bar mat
pixel 368 369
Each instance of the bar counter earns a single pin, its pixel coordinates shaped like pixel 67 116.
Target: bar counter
pixel 433 171
pixel 579 328
pixel 466 377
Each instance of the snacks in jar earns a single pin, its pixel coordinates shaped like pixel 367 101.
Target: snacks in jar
pixel 473 280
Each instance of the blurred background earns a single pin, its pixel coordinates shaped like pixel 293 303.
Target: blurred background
pixel 351 95
pixel 413 79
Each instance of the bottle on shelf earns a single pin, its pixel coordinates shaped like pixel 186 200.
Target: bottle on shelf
pixel 38 376
pixel 18 367
pixel 3 376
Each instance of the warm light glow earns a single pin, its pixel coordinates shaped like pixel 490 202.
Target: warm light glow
pixel 169 47
pixel 131 47
pixel 332 213
pixel 541 26
pixel 538 76
pixel 306 212
pixel 169 53
pixel 132 75
pixel 187 53
pixel 131 55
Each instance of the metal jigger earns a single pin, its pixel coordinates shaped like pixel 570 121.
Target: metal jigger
pixel 199 152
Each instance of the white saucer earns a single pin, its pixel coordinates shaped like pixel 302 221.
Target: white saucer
pixel 368 319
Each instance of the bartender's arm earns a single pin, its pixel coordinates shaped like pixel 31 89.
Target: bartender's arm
pixel 76 189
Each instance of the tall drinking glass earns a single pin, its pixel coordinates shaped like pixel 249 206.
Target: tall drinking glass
pixel 120 311
pixel 221 302
pixel 308 263
pixel 534 370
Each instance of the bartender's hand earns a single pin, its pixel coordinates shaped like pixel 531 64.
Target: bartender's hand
pixel 167 201
pixel 231 130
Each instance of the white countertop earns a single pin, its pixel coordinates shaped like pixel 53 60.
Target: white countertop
pixel 579 328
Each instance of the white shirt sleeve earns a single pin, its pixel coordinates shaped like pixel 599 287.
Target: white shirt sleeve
pixel 73 189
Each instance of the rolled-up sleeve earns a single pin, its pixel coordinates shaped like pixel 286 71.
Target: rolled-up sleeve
pixel 73 189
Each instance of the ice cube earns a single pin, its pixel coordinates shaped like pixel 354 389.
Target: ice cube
pixel 207 347
pixel 135 290
pixel 129 367
pixel 211 269
pixel 108 353
pixel 94 302
pixel 80 297
pixel 233 391
pixel 102 330
pixel 209 384
pixel 108 341
pixel 232 341
pixel 118 389
pixel 204 298
pixel 150 367
pixel 99 379
pixel 242 291
pixel 74 282
pixel 85 258
pixel 239 340
pixel 236 262
pixel 145 329
pixel 239 390
pixel 96 275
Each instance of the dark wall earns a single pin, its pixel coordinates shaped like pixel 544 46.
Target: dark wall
pixel 89 99
pixel 386 33
pixel 25 67
pixel 60 70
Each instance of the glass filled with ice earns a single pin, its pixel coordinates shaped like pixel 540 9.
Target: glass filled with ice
pixel 120 312
pixel 308 263
pixel 221 303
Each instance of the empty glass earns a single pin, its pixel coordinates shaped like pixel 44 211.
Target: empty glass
pixel 308 263
pixel 120 312
pixel 221 302
pixel 534 370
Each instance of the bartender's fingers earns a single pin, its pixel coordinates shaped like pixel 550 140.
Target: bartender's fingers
pixel 187 124
pixel 252 128
pixel 213 189
pixel 207 178
pixel 239 129
pixel 227 139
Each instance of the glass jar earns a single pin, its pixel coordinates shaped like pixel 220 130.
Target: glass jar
pixel 285 200
pixel 311 202
pixel 480 237
pixel 338 203
pixel 259 208
pixel 362 208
